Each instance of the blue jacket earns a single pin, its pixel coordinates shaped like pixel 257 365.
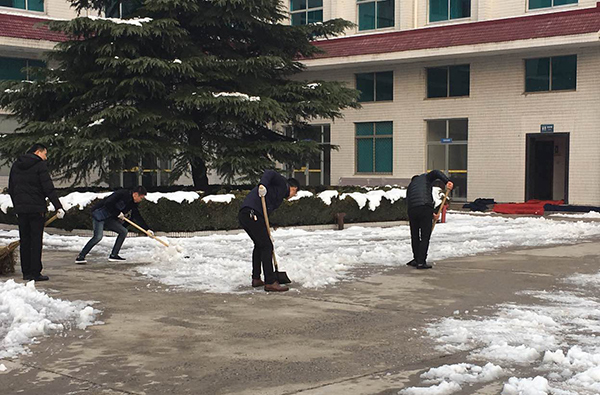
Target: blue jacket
pixel 277 190
pixel 120 201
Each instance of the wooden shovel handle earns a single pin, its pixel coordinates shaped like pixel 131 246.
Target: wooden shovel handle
pixel 264 207
pixel 145 231
pixel 441 207
pixel 51 219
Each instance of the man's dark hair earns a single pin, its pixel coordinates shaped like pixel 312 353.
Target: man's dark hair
pixel 140 190
pixel 293 183
pixel 36 147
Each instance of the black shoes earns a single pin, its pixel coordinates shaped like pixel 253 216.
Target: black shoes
pixel 424 266
pixel 80 260
pixel 412 263
pixel 39 277
pixel 116 258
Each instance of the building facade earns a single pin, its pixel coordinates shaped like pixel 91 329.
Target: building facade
pixel 501 95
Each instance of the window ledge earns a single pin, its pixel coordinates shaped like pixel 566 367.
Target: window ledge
pixel 375 101
pixel 447 97
pixel 21 12
pixel 548 10
pixel 373 174
pixel 450 21
pixel 383 29
pixel 552 91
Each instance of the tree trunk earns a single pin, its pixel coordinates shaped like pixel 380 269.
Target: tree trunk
pixel 199 175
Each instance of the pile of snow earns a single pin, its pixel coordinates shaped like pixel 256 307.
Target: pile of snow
pixel 238 95
pixel 448 379
pixel 26 313
pixel 535 335
pixel 178 196
pixel 372 197
pixel 227 198
pixel 133 21
pixel 591 214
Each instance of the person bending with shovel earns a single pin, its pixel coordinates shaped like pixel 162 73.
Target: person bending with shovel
pixel 110 213
pixel 421 216
pixel 269 193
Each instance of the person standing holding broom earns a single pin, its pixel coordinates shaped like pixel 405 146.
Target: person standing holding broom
pixel 109 213
pixel 29 184
pixel 273 187
pixel 421 215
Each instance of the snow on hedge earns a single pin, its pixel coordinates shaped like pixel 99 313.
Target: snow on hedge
pixel 26 314
pixel 83 199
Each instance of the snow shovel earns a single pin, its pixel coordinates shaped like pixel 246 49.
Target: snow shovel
pixel 7 258
pixel 281 277
pixel 441 208
pixel 145 231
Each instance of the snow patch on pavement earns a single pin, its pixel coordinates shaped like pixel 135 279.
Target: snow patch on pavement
pixel 26 314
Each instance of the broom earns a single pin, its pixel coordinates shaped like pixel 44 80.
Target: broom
pixel 7 253
pixel 282 277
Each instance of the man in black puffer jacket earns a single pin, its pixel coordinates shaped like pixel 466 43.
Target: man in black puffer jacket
pixel 274 187
pixel 109 213
pixel 421 214
pixel 29 184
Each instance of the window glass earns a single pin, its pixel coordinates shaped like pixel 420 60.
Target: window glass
pixel 35 5
pixel 315 16
pixel 436 157
pixel 436 130
pixel 533 4
pixel 537 75
pixel 564 72
pixel 10 69
pixel 457 129
pixel 366 16
pixel 296 5
pixel 460 9
pixel 364 129
pixel 563 2
pixel 437 82
pixel 438 10
pixel 385 86
pixel 457 157
pixel 385 14
pixel 364 153
pixel 365 83
pixel 459 80
pixel 383 155
pixel 383 128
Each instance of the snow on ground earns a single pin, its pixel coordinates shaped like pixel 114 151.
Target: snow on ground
pixel 221 262
pixel 591 214
pixel 26 314
pixel 557 337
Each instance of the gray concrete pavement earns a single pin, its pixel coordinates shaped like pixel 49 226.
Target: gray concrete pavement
pixel 364 336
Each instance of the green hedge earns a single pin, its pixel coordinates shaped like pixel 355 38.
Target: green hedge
pixel 169 216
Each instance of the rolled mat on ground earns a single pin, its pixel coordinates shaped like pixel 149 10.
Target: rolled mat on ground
pixel 571 209
pixel 534 206
pixel 480 204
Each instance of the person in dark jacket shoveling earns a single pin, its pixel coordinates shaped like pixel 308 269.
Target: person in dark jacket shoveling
pixel 109 213
pixel 274 187
pixel 29 184
pixel 421 214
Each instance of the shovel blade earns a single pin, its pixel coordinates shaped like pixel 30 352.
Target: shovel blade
pixel 282 278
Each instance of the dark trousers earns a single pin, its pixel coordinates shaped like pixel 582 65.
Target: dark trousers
pixel 31 230
pixel 421 222
pixel 254 225
pixel 111 224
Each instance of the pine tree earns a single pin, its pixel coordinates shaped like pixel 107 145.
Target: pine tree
pixel 206 83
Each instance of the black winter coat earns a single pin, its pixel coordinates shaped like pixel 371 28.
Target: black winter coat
pixel 118 202
pixel 29 184
pixel 277 190
pixel 419 189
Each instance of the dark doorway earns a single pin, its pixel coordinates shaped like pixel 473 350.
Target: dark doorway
pixel 547 166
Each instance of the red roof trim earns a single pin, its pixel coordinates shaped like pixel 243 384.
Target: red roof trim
pixel 579 21
pixel 29 28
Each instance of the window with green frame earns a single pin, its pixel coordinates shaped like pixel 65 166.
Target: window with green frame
pixel 535 4
pixel 375 86
pixel 443 10
pixel 375 14
pixel 14 68
pixel 551 74
pixel 448 81
pixel 374 148
pixel 122 9
pixel 31 5
pixel 306 11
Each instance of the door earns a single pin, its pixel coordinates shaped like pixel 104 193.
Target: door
pixel 317 171
pixel 547 166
